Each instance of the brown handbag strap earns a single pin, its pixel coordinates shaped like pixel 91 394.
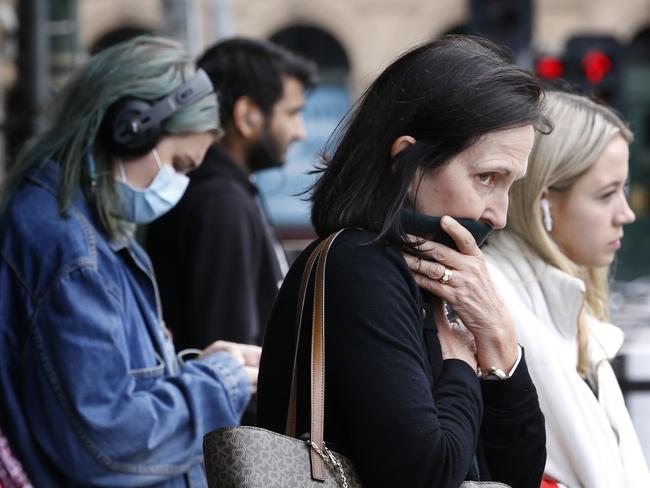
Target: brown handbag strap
pixel 317 357
pixel 318 365
pixel 290 428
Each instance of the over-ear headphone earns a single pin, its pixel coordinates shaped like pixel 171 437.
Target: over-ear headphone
pixel 132 126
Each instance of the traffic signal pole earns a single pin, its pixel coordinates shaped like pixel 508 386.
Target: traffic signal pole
pixel 33 64
pixel 506 22
pixel 223 19
pixel 182 21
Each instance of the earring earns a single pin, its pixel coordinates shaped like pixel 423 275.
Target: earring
pixel 546 214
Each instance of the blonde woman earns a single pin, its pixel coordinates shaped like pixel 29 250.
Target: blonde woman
pixel 565 224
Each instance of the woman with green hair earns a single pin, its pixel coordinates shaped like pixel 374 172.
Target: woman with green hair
pixel 93 392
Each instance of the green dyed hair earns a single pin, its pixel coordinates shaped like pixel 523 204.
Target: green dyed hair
pixel 146 67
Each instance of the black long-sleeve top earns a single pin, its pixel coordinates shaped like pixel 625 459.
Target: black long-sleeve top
pixel 215 259
pixel 402 420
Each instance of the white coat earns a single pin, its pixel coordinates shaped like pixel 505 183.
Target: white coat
pixel 590 439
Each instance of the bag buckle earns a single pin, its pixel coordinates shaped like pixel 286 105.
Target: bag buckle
pixel 329 458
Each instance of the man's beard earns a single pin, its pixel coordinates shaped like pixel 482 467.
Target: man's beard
pixel 264 153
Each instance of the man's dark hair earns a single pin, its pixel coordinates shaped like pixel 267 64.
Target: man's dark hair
pixel 115 36
pixel 254 68
pixel 446 94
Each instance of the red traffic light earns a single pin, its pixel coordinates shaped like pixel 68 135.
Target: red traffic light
pixel 549 67
pixel 596 65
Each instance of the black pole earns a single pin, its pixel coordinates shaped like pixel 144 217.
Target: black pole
pixel 35 71
pixel 30 93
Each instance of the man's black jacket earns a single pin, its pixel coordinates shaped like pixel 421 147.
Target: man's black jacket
pixel 214 258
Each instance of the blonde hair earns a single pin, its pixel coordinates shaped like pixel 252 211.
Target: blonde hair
pixel 582 130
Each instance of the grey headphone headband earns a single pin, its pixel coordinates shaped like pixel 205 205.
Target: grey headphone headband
pixel 187 93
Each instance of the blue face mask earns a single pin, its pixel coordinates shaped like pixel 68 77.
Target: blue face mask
pixel 142 206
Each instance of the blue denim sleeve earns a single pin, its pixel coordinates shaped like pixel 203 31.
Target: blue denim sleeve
pixel 99 423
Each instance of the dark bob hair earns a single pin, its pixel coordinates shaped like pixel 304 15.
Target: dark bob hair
pixel 446 94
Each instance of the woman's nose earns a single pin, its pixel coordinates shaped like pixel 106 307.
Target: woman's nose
pixel 497 215
pixel 625 215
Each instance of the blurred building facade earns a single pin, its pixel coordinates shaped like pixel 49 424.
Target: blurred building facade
pixel 370 32
pixel 352 40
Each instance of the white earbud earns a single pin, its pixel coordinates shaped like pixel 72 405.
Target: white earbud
pixel 546 215
pixel 251 119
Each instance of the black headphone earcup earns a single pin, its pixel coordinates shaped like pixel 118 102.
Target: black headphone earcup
pixel 132 126
pixel 116 130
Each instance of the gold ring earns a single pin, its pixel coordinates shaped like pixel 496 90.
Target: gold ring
pixel 446 276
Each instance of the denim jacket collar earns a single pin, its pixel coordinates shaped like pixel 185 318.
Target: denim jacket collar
pixel 48 175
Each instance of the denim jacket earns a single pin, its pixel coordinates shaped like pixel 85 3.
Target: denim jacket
pixel 91 390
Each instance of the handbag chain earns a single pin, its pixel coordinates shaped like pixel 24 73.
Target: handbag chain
pixel 329 458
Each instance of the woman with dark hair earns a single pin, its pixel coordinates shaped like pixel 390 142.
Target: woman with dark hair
pixel 415 396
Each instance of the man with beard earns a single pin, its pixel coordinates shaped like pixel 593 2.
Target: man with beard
pixel 220 272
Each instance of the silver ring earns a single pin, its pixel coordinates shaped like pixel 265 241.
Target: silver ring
pixel 446 276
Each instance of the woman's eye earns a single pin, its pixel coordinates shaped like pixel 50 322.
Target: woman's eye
pixel 486 178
